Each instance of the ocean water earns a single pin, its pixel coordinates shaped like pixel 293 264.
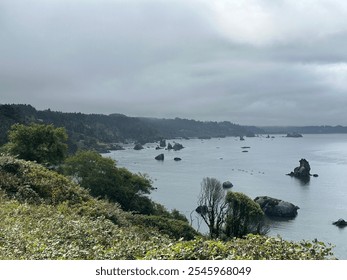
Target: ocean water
pixel 260 171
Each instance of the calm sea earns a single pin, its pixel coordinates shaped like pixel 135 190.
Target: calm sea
pixel 260 171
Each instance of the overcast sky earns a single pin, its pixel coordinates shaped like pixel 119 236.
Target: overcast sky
pixel 252 62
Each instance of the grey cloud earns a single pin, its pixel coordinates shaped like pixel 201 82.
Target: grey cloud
pixel 170 58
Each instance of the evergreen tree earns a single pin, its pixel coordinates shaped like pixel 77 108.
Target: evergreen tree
pixel 44 144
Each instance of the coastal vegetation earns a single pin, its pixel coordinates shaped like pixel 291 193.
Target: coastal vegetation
pixel 228 215
pixel 85 207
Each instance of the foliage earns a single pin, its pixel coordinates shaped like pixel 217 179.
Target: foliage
pixel 103 179
pixel 46 216
pixel 228 214
pixel 46 232
pixel 252 247
pixel 212 205
pixel 33 183
pixel 176 229
pixel 29 182
pixel 243 216
pixel 37 142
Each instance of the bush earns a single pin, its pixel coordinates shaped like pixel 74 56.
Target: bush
pixel 243 216
pixel 46 232
pixel 103 179
pixel 175 229
pixel 33 183
pixel 28 182
pixel 253 247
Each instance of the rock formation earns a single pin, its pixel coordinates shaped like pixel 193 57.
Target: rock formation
pixel 274 207
pixel 162 143
pixel 227 185
pixel 302 171
pixel 177 147
pixel 160 157
pixel 116 147
pixel 340 223
pixel 138 147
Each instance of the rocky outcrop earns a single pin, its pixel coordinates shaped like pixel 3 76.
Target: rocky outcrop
pixel 274 207
pixel 160 157
pixel 227 185
pixel 294 135
pixel 340 223
pixel 138 147
pixel 302 171
pixel 116 147
pixel 162 143
pixel 177 147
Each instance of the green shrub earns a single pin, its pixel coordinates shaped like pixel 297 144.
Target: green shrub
pixel 33 183
pixel 176 229
pixel 42 143
pixel 28 182
pixel 253 247
pixel 46 232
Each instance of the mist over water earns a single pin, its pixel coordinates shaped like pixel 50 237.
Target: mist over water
pixel 260 171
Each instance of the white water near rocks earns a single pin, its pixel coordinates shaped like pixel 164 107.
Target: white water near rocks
pixel 260 171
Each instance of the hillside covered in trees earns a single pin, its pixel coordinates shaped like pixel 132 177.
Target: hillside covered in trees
pixel 98 131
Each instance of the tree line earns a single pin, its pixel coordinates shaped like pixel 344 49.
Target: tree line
pixel 98 132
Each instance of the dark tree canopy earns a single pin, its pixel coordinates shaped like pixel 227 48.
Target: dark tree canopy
pixel 243 216
pixel 104 179
pixel 44 144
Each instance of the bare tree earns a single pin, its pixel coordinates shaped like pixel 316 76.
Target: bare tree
pixel 212 206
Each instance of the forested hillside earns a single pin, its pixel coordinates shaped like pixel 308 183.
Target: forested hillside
pixel 98 132
pixel 94 131
pixel 171 128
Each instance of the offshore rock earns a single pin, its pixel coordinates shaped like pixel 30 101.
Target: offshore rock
pixel 177 147
pixel 160 157
pixel 162 143
pixel 302 171
pixel 340 223
pixel 227 185
pixel 138 147
pixel 115 147
pixel 274 207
